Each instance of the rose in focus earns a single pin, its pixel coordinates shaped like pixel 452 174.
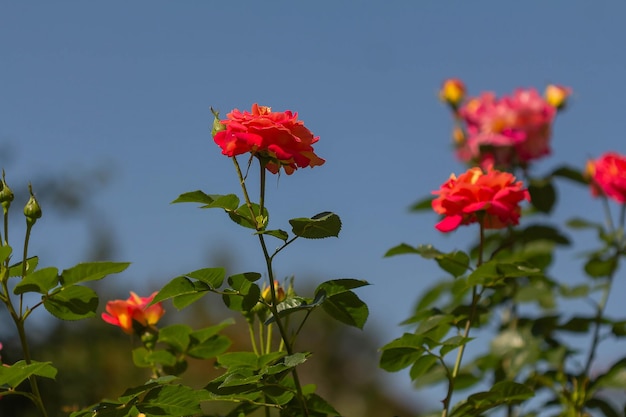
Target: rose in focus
pixel 489 197
pixel 277 138
pixel 607 176
pixel 507 131
pixel 122 313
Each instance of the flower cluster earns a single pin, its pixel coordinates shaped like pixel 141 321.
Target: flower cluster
pixel 123 313
pixel 279 139
pixel 607 176
pixel 489 197
pixel 504 132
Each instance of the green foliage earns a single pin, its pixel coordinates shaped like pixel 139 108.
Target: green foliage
pixel 320 226
pixel 14 375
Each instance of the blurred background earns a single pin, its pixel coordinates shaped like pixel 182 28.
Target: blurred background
pixel 104 107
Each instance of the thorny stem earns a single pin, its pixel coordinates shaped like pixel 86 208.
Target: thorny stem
pixel 466 331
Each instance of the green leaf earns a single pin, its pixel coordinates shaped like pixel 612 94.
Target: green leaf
pixel 503 392
pixel 455 263
pixel 18 372
pixel 604 406
pixel 423 365
pixel 40 281
pixel 15 270
pixel 317 404
pixel 213 277
pixel 294 304
pixel 615 377
pixel 541 232
pixel 210 348
pixel 542 195
pixel 145 358
pixel 347 308
pixel 91 271
pixel 452 343
pixel 402 352
pixel 425 251
pixel 176 335
pixel 226 202
pixel 5 252
pixel 280 234
pixel 244 294
pixel 570 173
pixel 238 359
pixel 180 286
pixel 597 267
pixel 72 303
pixel 578 223
pixel 170 400
pixel 423 204
pixel 243 217
pixel 320 226
pixel 338 286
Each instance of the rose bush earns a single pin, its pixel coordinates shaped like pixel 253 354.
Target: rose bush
pixel 277 138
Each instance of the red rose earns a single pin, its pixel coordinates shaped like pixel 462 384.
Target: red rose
pixel 608 176
pixel 277 137
pixel 490 197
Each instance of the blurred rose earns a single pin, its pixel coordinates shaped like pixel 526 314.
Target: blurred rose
pixel 488 197
pixel 507 131
pixel 279 138
pixel 122 313
pixel 607 176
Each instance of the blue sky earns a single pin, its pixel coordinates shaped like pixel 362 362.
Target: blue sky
pixel 128 86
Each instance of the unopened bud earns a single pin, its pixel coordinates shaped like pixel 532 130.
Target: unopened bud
pixel 556 96
pixel 6 194
pixel 452 92
pixel 458 136
pixel 218 126
pixel 32 210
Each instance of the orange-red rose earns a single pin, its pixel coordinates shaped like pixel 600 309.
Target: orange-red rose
pixel 489 197
pixel 608 176
pixel 122 313
pixel 278 138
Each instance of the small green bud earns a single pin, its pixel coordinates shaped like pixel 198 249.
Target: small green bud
pixel 217 125
pixel 32 210
pixel 6 194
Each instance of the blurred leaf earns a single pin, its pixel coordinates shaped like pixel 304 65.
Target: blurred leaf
pixel 226 202
pixel 320 226
pixel 604 406
pixel 542 232
pixel 347 308
pixel 577 291
pixel 246 276
pixel 570 173
pixel 503 392
pixel 452 343
pixel 542 195
pixel 40 281
pixel 455 263
pixel 615 377
pixel 423 204
pixel 243 217
pixel 72 303
pixel 578 223
pixel 20 371
pixel 597 267
pixel 91 271
pixel 15 270
pixel 619 328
